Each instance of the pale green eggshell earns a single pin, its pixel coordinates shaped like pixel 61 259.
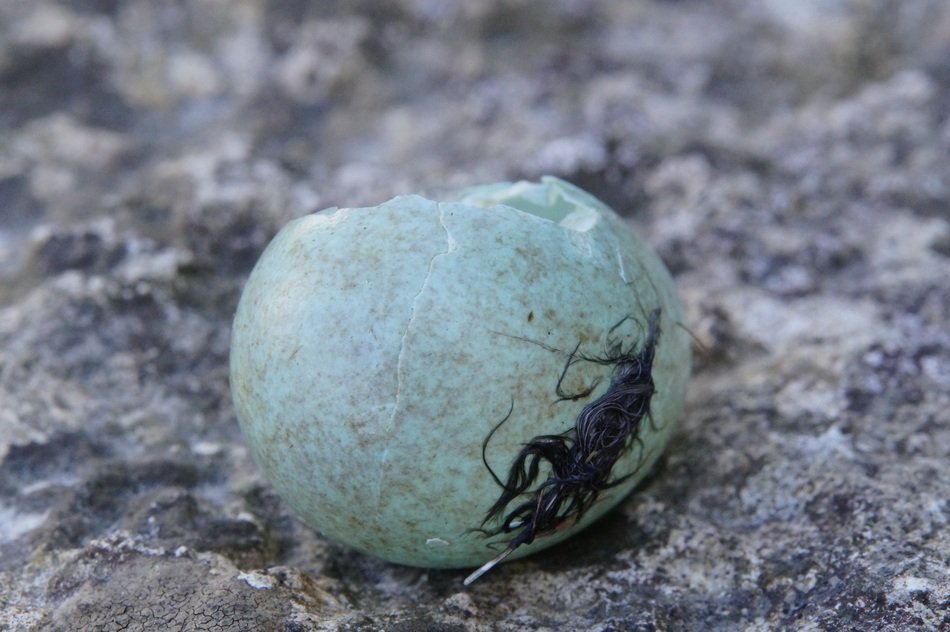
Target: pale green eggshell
pixel 375 348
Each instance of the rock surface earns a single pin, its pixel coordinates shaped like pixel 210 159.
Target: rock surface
pixel 788 160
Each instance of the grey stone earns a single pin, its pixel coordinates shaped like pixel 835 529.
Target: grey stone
pixel 789 164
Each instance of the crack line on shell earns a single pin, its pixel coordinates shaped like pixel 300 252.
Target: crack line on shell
pixel 450 245
pixel 620 267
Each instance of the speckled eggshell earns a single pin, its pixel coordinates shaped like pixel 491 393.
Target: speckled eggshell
pixel 375 348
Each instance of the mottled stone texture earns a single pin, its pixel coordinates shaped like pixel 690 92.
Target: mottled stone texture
pixel 789 160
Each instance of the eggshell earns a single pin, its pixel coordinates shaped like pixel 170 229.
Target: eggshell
pixel 375 348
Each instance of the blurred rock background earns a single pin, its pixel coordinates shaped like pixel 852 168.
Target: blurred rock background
pixel 789 161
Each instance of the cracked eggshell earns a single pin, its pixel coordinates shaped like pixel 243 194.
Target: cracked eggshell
pixel 375 348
